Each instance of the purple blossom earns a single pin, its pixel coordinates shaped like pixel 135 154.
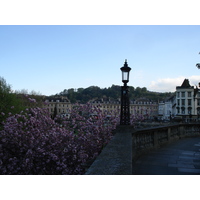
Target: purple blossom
pixel 2 113
pixel 32 100
pixel 33 143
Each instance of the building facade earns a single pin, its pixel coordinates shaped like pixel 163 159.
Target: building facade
pixel 58 105
pixel 165 109
pixel 184 105
pixel 142 108
pixel 187 101
pixel 107 105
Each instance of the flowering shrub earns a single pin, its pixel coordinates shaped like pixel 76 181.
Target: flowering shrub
pixel 33 143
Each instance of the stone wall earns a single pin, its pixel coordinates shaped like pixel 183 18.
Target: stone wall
pixel 116 157
pixel 128 144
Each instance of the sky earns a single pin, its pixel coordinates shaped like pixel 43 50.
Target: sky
pixel 51 58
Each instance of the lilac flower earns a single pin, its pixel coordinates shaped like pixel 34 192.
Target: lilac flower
pixel 39 145
pixel 2 113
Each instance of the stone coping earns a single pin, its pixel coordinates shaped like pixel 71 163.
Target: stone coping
pixel 116 157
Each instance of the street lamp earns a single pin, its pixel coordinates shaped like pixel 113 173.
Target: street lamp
pixel 198 64
pixel 125 72
pixel 125 108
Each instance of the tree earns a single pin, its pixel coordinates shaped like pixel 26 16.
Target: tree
pixel 80 90
pixel 144 89
pixel 9 102
pixel 84 95
pixel 33 143
pixel 71 95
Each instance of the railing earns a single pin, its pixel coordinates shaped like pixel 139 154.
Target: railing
pixel 129 143
pixel 146 139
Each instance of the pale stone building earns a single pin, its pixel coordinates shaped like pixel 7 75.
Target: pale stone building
pixel 143 108
pixel 187 101
pixel 58 105
pixel 107 105
pixel 165 109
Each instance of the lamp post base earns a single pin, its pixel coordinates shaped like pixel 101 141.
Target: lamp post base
pixel 125 108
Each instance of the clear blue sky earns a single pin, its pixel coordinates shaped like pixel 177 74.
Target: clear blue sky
pixel 50 59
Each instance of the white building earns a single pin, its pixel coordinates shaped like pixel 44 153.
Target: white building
pixel 165 111
pixel 187 101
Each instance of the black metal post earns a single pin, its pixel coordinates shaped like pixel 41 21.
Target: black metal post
pixel 125 109
pixel 125 106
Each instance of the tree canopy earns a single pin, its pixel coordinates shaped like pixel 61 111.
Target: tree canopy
pixel 83 95
pixel 9 101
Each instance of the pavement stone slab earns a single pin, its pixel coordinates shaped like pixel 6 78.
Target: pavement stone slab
pixel 181 157
pixel 186 170
pixel 178 165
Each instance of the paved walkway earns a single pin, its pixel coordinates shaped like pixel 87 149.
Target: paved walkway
pixel 181 157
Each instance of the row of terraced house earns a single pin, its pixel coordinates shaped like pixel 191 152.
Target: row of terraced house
pixel 183 105
pixel 142 108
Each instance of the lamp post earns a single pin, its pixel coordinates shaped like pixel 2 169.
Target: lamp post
pixel 198 64
pixel 125 109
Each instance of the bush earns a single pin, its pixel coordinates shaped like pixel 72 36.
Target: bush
pixel 33 143
pixel 9 102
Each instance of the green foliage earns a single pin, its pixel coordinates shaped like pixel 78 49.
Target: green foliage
pixel 9 102
pixel 84 95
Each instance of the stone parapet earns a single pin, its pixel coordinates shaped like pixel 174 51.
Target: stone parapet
pixel 128 144
pixel 116 157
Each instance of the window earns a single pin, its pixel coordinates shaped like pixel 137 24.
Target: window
pixel 182 94
pixel 189 110
pixel 189 94
pixel 178 102
pixel 189 102
pixel 198 111
pixel 178 94
pixel 183 102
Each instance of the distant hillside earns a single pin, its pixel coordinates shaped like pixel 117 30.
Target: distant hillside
pixel 83 95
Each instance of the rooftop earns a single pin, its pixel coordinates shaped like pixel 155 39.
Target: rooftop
pixel 185 85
